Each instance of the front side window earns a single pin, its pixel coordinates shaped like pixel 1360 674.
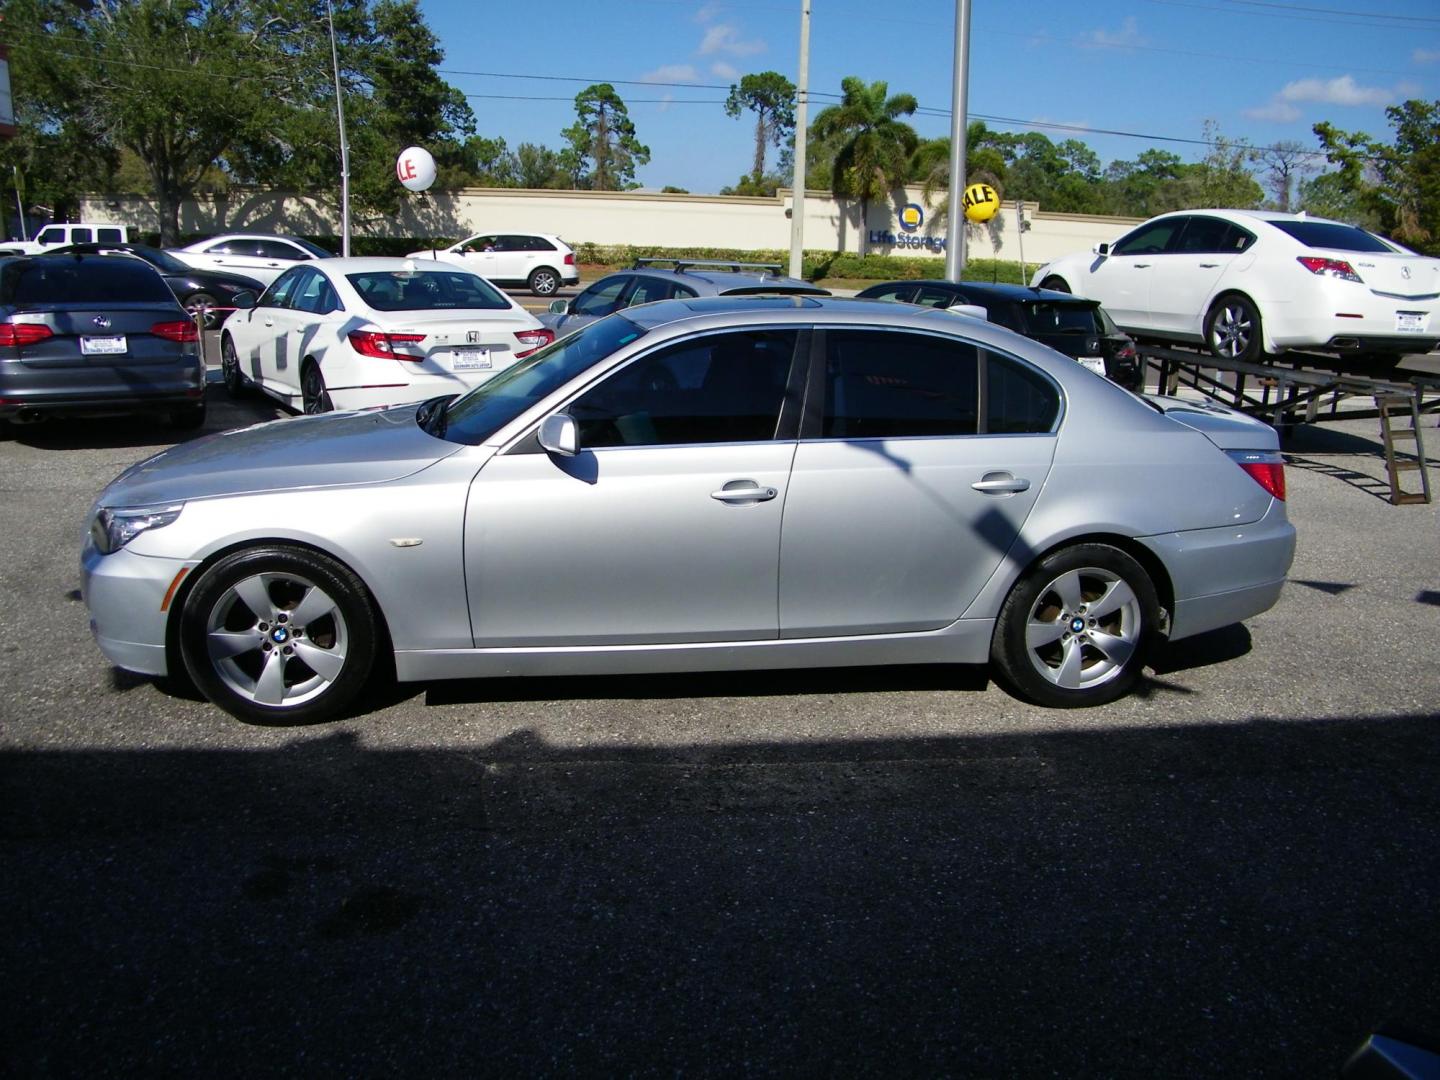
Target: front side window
pixel 892 384
pixel 603 297
pixel 1153 238
pixel 51 236
pixel 315 294
pixel 719 388
pixel 280 291
pixel 278 249
pixel 429 290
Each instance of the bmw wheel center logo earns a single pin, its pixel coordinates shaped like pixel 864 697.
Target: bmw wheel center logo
pixel 1076 625
pixel 911 217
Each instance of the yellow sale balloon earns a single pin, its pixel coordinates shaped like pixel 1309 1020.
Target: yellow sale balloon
pixel 981 203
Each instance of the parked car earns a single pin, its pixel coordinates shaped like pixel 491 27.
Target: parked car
pixel 197 290
pixel 648 281
pixel 1078 328
pixel 354 333
pixel 92 335
pixel 721 483
pixel 63 233
pixel 1247 283
pixel 540 262
pixel 256 255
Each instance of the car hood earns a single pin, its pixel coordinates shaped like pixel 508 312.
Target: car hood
pixel 1226 428
pixel 336 449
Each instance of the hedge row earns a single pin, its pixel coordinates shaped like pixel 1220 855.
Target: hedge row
pixel 816 264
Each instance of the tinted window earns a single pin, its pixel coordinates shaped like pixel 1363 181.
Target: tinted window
pixel 1044 317
pixel 881 384
pixel 109 236
pixel 648 290
pixel 278 295
pixel 936 296
pixel 81 236
pixel 1207 235
pixel 601 298
pixel 888 292
pixel 1327 234
pixel 428 290
pixel 1018 400
pixel 534 243
pixel 278 249
pixel 1150 239
pixel 713 389
pixel 51 236
pixel 231 247
pixel 64 279
pixel 315 294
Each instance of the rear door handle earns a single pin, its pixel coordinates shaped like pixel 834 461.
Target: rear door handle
pixel 1001 484
pixel 1208 266
pixel 750 492
pixel 1141 266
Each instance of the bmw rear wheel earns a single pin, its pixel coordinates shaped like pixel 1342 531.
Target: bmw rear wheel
pixel 1076 629
pixel 544 281
pixel 279 634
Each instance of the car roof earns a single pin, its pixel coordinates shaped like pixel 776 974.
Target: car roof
pixel 796 308
pixel 744 278
pixel 370 263
pixel 993 290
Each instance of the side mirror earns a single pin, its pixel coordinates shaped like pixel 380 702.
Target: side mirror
pixel 559 434
pixel 559 307
pixel 975 311
pixel 244 300
pixel 1101 249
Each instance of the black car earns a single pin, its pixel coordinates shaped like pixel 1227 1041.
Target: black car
pixel 1068 324
pixel 94 335
pixel 195 289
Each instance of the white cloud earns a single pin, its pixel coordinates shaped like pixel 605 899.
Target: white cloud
pixel 1278 111
pixel 1425 56
pixel 725 38
pixel 1342 90
pixel 722 70
pixel 669 73
pixel 665 101
pixel 1128 35
pixel 708 12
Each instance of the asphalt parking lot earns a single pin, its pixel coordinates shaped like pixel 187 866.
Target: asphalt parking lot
pixel 1234 872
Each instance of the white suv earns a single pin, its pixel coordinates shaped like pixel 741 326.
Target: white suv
pixel 53 237
pixel 539 261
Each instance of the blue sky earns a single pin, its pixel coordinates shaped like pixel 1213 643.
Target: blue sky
pixel 1265 70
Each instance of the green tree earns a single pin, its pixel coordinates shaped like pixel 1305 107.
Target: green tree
pixel 872 144
pixel 1398 183
pixel 930 164
pixel 539 167
pixel 1329 195
pixel 602 141
pixel 771 97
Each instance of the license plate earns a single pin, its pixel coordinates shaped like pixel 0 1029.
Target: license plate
pixel 1411 322
pixel 102 346
pixel 1094 363
pixel 471 360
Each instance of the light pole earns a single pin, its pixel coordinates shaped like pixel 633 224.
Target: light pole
pixel 955 226
pixel 797 194
pixel 344 143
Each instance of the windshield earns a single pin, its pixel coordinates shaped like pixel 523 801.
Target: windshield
pixel 426 290
pixel 1062 318
pixel 490 406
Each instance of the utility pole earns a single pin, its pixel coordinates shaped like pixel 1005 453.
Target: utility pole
pixel 344 143
pixel 20 206
pixel 955 226
pixel 802 101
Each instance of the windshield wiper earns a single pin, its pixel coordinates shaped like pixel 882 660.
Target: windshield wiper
pixel 431 416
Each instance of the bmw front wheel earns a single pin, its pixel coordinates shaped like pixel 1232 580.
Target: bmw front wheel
pixel 279 634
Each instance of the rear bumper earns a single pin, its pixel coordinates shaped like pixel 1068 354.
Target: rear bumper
pixel 1222 576
pixel 1349 317
pixel 97 391
pixel 420 387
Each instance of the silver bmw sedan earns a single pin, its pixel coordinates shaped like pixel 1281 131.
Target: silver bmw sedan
pixel 725 483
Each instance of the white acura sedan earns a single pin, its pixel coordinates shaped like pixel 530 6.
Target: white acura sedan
pixel 1246 283
pixel 357 333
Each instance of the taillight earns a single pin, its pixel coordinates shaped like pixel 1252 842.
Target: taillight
pixel 181 330
pixel 1127 352
pixel 1266 468
pixel 382 346
pixel 1336 268
pixel 14 334
pixel 532 340
pixel 570 258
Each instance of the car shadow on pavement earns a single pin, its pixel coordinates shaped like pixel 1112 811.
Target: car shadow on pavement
pixel 1240 898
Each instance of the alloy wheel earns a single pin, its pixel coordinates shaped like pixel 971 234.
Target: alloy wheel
pixel 1083 628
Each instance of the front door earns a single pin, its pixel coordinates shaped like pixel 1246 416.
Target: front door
pixel 1121 280
pixel 665 527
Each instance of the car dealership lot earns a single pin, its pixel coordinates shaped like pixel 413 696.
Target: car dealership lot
pixel 1233 871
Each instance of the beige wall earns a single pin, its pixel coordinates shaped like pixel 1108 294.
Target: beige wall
pixel 642 219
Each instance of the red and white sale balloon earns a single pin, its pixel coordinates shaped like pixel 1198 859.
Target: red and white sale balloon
pixel 415 168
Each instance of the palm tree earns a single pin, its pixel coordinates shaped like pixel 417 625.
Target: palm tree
pixel 930 164
pixel 874 145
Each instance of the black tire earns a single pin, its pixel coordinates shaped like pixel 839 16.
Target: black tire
pixel 1111 598
pixel 544 281
pixel 314 398
pixel 311 605
pixel 236 384
pixel 1055 284
pixel 195 301
pixel 7 430
pixel 188 417
pixel 1233 329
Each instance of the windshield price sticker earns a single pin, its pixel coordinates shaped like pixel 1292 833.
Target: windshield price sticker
pixel 102 346
pixel 471 360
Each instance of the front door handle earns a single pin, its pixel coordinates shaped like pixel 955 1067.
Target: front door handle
pixel 1000 483
pixel 741 491
pixel 1141 266
pixel 1208 266
pixel 269 322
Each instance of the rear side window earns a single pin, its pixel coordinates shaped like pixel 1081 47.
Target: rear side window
pixel 80 236
pixel 886 384
pixel 1207 235
pixel 1329 234
pixel 109 236
pixel 63 279
pixel 1018 400
pixel 430 290
pixel 277 249
pixel 530 243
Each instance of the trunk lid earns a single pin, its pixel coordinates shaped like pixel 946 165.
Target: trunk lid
pixel 115 335
pixel 1226 428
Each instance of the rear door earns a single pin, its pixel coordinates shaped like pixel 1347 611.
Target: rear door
pixel 912 483
pixel 1183 279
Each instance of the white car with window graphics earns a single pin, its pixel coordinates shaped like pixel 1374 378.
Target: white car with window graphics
pixel 1247 283
pixel 356 333
pixel 540 262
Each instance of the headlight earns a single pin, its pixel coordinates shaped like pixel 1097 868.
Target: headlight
pixel 112 529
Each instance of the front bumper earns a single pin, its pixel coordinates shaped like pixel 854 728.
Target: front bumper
pixel 125 593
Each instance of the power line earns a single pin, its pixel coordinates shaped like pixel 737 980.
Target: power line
pixel 1335 11
pixel 1374 22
